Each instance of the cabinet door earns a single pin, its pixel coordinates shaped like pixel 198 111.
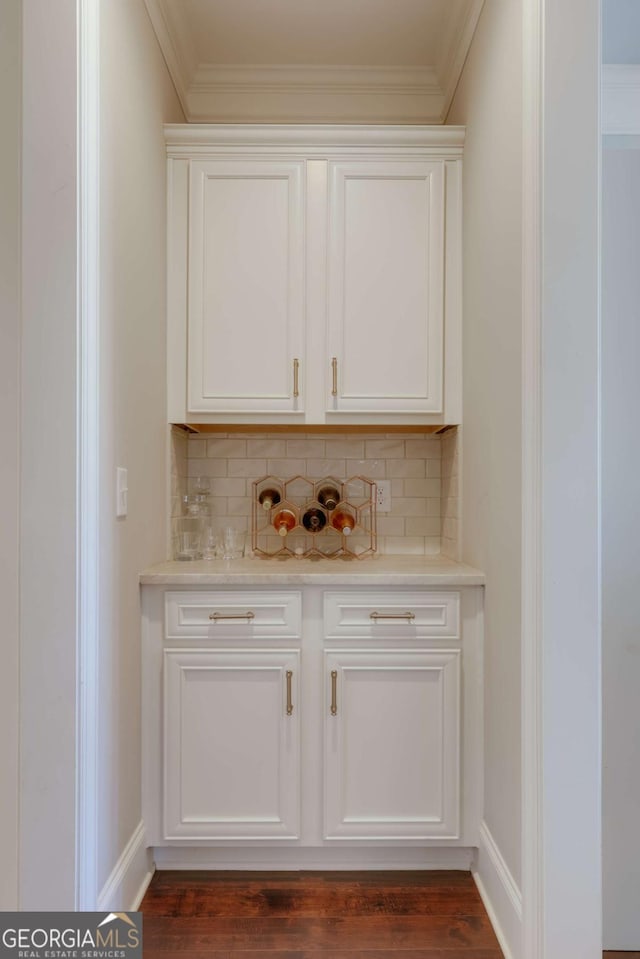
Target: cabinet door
pixel 231 744
pixel 246 295
pixel 386 256
pixel 392 744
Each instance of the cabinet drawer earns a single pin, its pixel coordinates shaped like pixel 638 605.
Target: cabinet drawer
pixel 416 615
pixel 229 615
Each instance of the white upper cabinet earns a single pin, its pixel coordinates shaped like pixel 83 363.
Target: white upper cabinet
pixel 386 269
pixel 245 285
pixel 314 275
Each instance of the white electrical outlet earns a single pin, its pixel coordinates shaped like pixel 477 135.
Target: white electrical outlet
pixel 383 496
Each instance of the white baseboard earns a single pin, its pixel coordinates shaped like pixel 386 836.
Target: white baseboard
pixel 130 876
pixel 500 894
pixel 192 857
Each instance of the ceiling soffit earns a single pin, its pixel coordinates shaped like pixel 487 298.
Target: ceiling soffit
pixel 223 92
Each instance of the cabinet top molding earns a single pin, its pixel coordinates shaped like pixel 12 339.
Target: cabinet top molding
pixel 312 139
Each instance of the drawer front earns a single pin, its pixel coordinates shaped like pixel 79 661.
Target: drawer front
pixel 229 615
pixel 384 615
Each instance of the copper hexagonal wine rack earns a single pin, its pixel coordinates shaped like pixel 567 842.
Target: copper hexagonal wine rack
pixel 299 494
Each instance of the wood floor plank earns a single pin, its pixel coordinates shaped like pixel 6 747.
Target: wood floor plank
pixel 454 953
pixel 291 915
pixel 360 932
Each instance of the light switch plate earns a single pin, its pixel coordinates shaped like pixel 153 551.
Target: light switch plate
pixel 122 490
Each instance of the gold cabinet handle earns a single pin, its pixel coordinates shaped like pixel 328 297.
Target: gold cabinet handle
pixel 408 616
pixel 334 370
pixel 216 617
pixel 289 703
pixel 296 368
pixel 334 692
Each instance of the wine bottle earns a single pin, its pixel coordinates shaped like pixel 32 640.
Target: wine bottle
pixel 284 521
pixel 314 519
pixel 343 521
pixel 269 498
pixel 329 497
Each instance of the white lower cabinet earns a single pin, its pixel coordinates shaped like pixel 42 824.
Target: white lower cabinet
pixel 392 736
pixel 231 744
pixel 339 727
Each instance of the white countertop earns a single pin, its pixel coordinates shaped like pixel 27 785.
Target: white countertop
pixel 380 570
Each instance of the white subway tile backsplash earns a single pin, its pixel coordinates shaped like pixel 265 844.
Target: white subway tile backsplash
pixel 374 469
pixel 231 486
pixel 423 473
pixel 349 449
pixel 403 467
pixel 384 449
pixel 422 487
pixel 410 506
pixel 208 467
pixel 317 468
pixel 267 448
pixel 219 448
pixel 240 506
pixel 197 448
pixel 247 467
pixel 422 449
pixel 390 525
pixel 286 468
pixel 305 448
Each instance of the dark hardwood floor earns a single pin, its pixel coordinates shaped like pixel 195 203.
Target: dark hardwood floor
pixel 308 915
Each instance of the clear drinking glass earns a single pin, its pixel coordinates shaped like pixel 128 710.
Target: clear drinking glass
pixel 188 538
pixel 232 542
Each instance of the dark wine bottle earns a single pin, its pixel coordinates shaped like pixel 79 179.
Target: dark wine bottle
pixel 329 497
pixel 314 519
pixel 269 498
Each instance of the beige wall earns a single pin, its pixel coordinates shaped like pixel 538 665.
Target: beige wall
pixel 488 101
pixel 620 546
pixel 137 97
pixel 10 121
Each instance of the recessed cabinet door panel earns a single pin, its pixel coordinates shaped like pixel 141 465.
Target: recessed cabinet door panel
pixel 231 747
pixel 246 297
pixel 392 745
pixel 386 239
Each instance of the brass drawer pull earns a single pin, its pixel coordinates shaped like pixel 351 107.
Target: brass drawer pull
pixel 289 703
pixel 334 370
pixel 408 616
pixel 334 692
pixel 296 368
pixel 216 617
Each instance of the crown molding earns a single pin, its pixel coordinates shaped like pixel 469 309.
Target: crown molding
pixel 288 94
pixel 621 99
pixel 458 35
pixel 241 93
pixel 185 140
pixel 229 78
pixel 176 45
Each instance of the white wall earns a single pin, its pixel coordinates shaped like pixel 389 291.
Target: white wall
pixel 488 101
pixel 137 97
pixel 10 122
pixel 48 437
pixel 621 546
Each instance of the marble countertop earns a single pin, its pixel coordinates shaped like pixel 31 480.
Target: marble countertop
pixel 380 570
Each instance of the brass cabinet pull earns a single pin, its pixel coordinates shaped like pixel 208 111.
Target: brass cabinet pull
pixel 289 703
pixel 334 369
pixel 334 692
pixel 218 616
pixel 296 367
pixel 408 616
